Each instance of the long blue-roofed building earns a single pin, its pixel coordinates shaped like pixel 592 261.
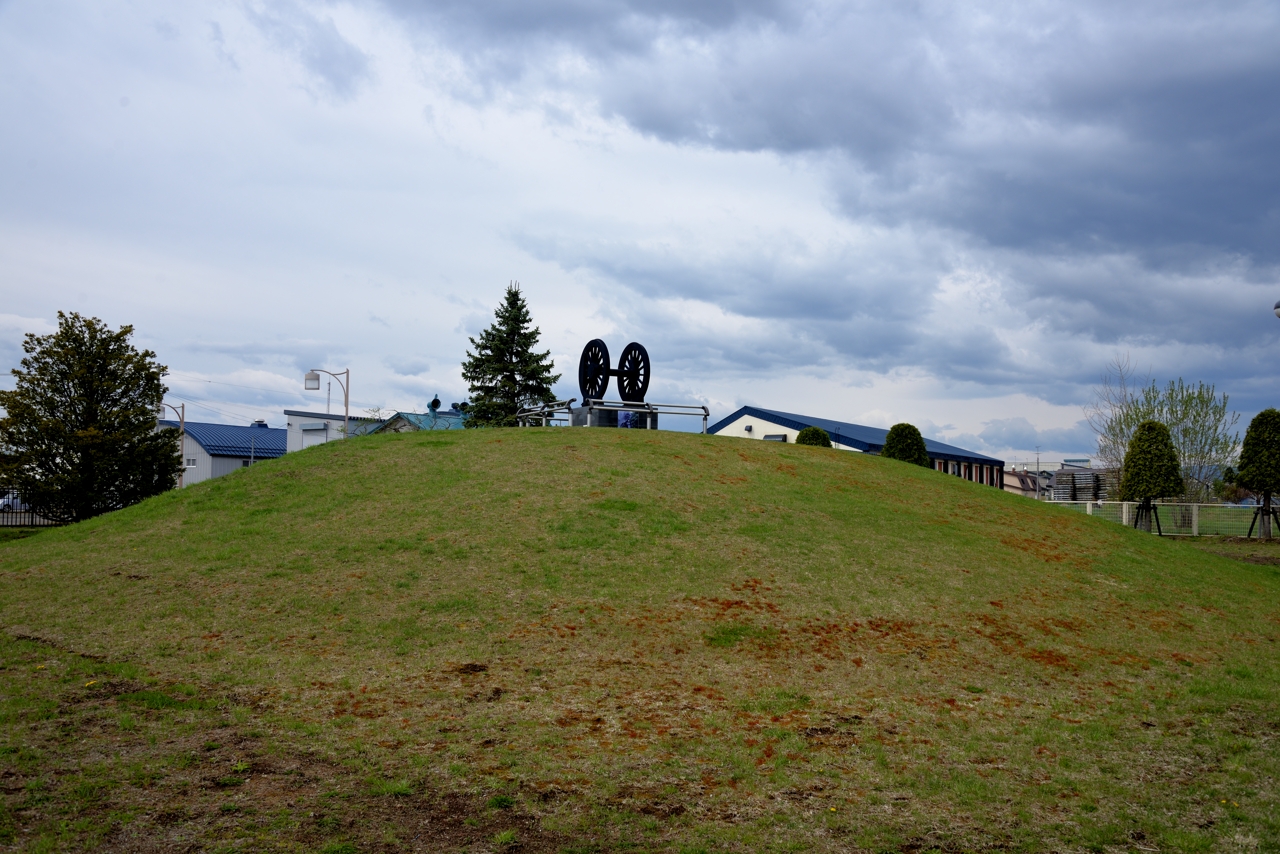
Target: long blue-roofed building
pixel 752 422
pixel 212 450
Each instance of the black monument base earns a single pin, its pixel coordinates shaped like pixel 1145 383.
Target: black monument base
pixel 609 417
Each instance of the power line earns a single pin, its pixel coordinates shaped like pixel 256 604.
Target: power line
pixel 203 405
pixel 233 385
pixel 354 404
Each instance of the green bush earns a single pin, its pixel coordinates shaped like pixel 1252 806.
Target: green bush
pixel 1150 465
pixel 1260 454
pixel 905 443
pixel 814 436
pixel 1260 462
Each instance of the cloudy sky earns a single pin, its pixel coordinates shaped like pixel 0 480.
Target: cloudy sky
pixel 949 214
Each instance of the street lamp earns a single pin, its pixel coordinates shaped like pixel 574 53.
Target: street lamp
pixel 181 411
pixel 311 382
pixel 1278 309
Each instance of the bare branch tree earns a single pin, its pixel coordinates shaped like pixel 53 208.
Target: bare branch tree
pixel 1198 418
pixel 1111 414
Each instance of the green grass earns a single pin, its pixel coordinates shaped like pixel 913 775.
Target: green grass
pixel 657 641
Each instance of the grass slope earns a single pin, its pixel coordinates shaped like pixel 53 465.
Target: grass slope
pixel 589 640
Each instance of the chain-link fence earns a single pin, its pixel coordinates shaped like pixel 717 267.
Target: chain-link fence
pixel 1194 520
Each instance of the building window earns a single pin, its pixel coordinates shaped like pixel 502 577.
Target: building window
pixel 775 437
pixel 191 462
pixel 244 464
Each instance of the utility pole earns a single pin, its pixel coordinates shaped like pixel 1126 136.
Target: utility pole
pixel 181 411
pixel 1039 485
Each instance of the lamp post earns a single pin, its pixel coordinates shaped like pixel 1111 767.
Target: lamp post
pixel 311 382
pixel 181 411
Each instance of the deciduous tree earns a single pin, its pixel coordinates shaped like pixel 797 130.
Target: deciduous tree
pixel 1201 426
pixel 79 436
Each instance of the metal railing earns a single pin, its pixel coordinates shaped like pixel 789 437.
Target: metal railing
pixel 1177 519
pixel 648 409
pixel 561 411
pixel 15 514
pixel 545 414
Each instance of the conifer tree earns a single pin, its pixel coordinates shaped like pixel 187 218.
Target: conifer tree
pixel 1150 470
pixel 905 443
pixel 1260 462
pixel 504 372
pixel 79 436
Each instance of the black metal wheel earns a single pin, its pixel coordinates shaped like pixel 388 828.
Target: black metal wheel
pixel 593 370
pixel 633 373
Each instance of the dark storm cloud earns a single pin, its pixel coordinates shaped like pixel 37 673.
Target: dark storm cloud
pixel 1082 127
pixel 1004 433
pixel 857 308
pixel 335 63
pixel 594 27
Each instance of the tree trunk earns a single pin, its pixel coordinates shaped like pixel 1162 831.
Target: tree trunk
pixel 1144 515
pixel 1264 530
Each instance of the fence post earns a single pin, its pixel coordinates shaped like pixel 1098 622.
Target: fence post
pixel 1088 508
pixel 1124 513
pixel 1195 520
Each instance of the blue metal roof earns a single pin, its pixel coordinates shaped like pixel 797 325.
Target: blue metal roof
pixel 444 419
pixel 866 439
pixel 225 440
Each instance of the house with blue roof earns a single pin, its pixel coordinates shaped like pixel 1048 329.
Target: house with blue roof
pixel 412 422
pixel 751 422
pixel 212 450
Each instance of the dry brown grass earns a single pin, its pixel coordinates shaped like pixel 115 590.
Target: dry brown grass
pixel 679 642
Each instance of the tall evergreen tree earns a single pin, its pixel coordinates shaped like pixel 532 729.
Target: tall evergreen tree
pixel 504 372
pixel 1150 470
pixel 905 443
pixel 1260 462
pixel 79 433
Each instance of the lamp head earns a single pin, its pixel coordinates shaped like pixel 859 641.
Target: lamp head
pixel 311 382
pixel 1278 309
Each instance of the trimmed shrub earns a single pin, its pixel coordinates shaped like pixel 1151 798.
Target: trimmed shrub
pixel 1150 465
pixel 814 436
pixel 1260 462
pixel 1150 470
pixel 1260 454
pixel 905 443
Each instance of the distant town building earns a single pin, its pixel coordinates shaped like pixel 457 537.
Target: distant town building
pixel 751 422
pixel 412 422
pixel 212 450
pixel 1069 480
pixel 314 428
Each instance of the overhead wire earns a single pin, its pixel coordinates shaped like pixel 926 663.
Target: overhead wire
pixel 203 405
pixel 250 387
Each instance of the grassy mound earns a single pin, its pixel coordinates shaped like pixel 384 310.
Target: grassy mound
pixel 591 640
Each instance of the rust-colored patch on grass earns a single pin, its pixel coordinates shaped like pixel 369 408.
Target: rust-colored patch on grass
pixel 1049 658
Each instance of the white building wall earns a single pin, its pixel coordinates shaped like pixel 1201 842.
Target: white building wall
pixel 296 439
pixel 760 428
pixel 203 463
pixel 226 465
